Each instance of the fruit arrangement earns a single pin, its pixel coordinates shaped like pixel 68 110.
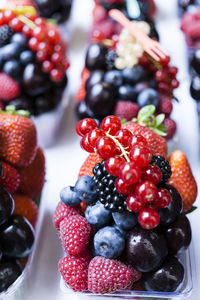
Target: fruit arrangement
pixel 187 5
pixel 21 161
pixel 33 62
pixel 123 223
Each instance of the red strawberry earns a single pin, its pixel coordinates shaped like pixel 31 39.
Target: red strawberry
pixel 81 91
pixel 10 178
pixel 26 207
pixel 75 233
pixel 36 170
pixel 108 275
pixel 74 271
pixel 88 165
pixel 18 139
pixel 126 110
pixel 171 128
pixel 9 88
pixel 182 178
pixel 64 211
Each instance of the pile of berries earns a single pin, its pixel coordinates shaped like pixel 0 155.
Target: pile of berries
pixel 33 63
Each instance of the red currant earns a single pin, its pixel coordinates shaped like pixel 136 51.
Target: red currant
pixel 174 84
pixel 42 46
pixel 152 173
pixel 172 71
pixel 27 31
pixel 124 137
pixel 2 20
pixel 33 44
pixel 163 199
pixel 141 156
pixel 163 87
pixel 138 140
pixel 123 188
pixel 93 136
pixel 65 64
pixel 165 61
pixel 113 165
pixel 47 66
pixel 41 56
pixel 40 21
pixel 8 16
pixel 147 191
pixel 86 145
pixel 85 126
pixel 160 76
pixel 53 35
pixel 134 203
pixel 16 24
pixel 97 35
pixel 130 173
pixel 148 218
pixel 111 124
pixel 56 75
pixel 105 146
pixel 39 33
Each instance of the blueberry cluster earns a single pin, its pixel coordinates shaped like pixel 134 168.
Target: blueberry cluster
pixel 164 165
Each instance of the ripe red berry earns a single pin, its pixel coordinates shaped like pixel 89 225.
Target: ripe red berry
pixel 86 145
pixel 8 16
pixel 138 140
pixel 148 218
pixel 40 21
pixel 111 124
pixel 93 136
pixel 124 137
pixel 172 71
pixel 53 36
pixel 27 31
pixel 47 66
pixel 2 20
pixel 106 147
pixel 33 44
pixel 141 156
pixel 165 61
pixel 16 24
pixel 152 173
pixel 174 84
pixel 160 76
pixel 41 56
pixel 123 188
pixel 134 203
pixel 85 126
pixel 130 173
pixel 163 199
pixel 56 75
pixel 56 58
pixel 39 32
pixel 113 165
pixel 147 191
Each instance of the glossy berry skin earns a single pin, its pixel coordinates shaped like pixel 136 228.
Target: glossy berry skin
pixel 111 124
pixel 85 126
pixel 85 189
pixel 95 57
pixel 178 235
pixel 163 199
pixel 10 270
pixel 152 173
pixel 108 242
pixel 148 218
pixel 134 203
pixel 114 77
pixel 138 140
pixel 147 191
pixel 18 238
pixel 141 156
pixel 130 173
pixel 125 220
pixel 95 77
pixel 148 97
pixel 124 137
pixel 106 147
pixel 93 136
pixel 195 87
pixel 7 205
pixel 97 215
pixel 69 197
pixel 113 165
pixel 85 144
pixel 122 187
pixel 166 278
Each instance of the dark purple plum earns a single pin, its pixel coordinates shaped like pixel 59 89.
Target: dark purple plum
pixel 95 57
pixel 10 270
pixel 7 205
pixel 127 93
pixel 195 88
pixel 114 77
pixel 95 77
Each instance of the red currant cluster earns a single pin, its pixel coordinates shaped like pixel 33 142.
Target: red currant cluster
pixel 43 38
pixel 128 158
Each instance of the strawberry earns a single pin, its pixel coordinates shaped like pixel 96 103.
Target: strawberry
pixel 81 91
pixel 36 170
pixel 26 207
pixel 182 178
pixel 64 211
pixel 10 178
pixel 9 88
pixel 126 110
pixel 88 165
pixel 18 139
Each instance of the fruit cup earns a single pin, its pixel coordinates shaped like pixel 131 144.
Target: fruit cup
pixel 33 68
pixel 21 161
pixel 123 225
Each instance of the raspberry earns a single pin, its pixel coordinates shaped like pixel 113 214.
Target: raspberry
pixel 126 110
pixel 64 211
pixel 75 234
pixel 165 105
pixel 108 275
pixel 9 88
pixel 171 127
pixel 74 271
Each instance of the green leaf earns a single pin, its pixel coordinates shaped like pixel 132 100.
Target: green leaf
pixel 146 112
pixel 159 119
pixel 162 127
pixel 23 113
pixel 159 132
pixel 193 208
pixel 123 121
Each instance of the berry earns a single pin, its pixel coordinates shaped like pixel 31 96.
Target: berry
pixel 164 166
pixel 56 75
pixel 93 136
pixel 122 187
pixel 171 128
pixel 26 207
pixel 126 110
pixel 85 144
pixel 110 58
pixel 12 68
pixel 163 199
pixel 85 189
pixel 106 147
pixel 7 205
pixel 125 220
pixel 108 242
pixel 141 156
pixel 10 270
pixel 111 124
pixel 85 126
pixel 138 140
pixel 16 25
pixel 147 191
pixel 75 234
pixel 95 57
pixel 10 178
pixel 69 197
pixel 148 218
pixel 127 93
pixel 148 97
pixel 63 212
pixel 134 203
pixel 98 215
pixel 113 165
pixel 195 87
pixel 134 74
pixel 165 105
pixel 113 77
pixel 93 78
pixel 124 137
pixel 152 173
pixel 129 173
pixel 9 88
pixel 5 34
pixel 88 165
pixel 74 271
pixel 107 275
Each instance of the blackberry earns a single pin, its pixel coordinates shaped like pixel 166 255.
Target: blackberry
pixel 106 190
pixel 5 34
pixel 110 59
pixel 163 164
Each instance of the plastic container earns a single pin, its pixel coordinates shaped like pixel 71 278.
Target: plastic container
pixel 183 291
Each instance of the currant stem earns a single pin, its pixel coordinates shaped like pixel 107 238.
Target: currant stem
pixel 119 145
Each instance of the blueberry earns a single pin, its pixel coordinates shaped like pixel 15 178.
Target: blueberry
pixel 108 242
pixel 20 39
pixel 127 93
pixel 125 220
pixel 98 215
pixel 12 68
pixel 134 74
pixel 123 233
pixel 95 77
pixel 27 57
pixel 86 189
pixel 114 77
pixel 10 270
pixel 10 51
pixel 147 97
pixel 69 196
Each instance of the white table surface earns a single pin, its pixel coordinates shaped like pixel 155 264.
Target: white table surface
pixel 64 159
